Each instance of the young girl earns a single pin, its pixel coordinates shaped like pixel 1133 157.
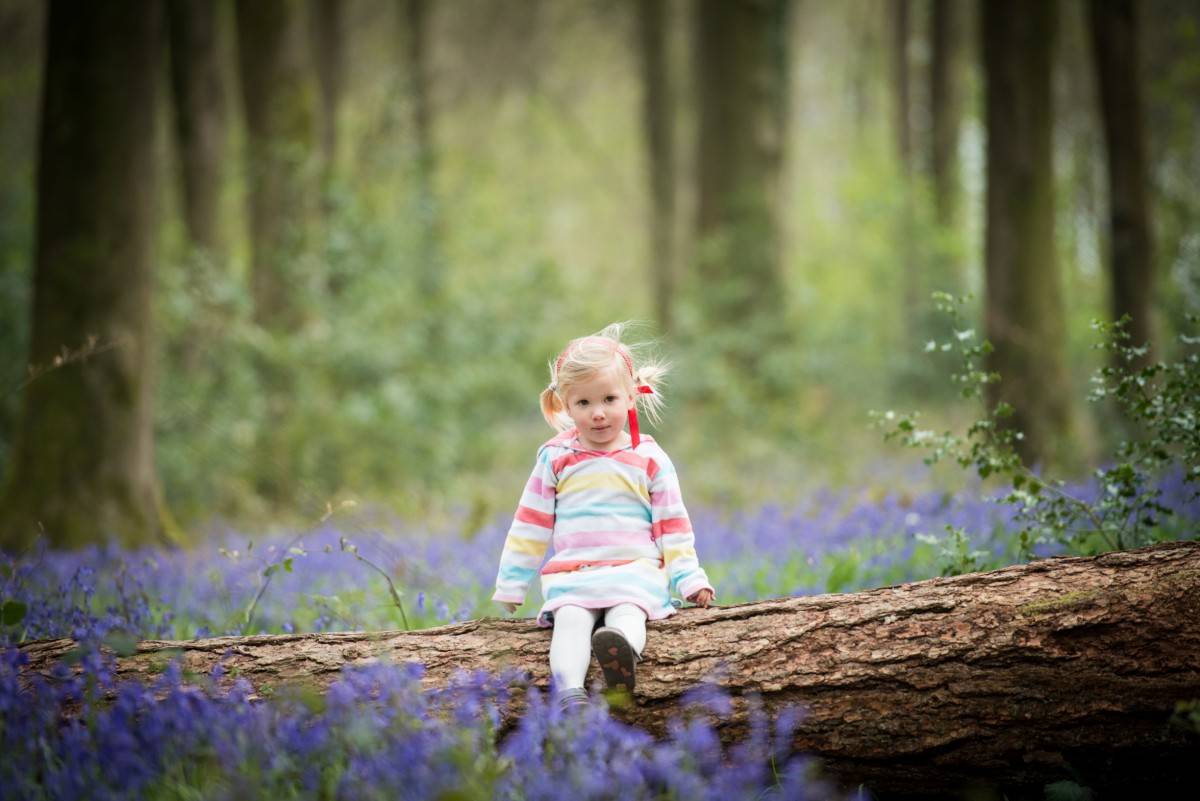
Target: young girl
pixel 609 500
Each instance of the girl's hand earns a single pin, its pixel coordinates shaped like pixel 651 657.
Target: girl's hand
pixel 702 598
pixel 510 606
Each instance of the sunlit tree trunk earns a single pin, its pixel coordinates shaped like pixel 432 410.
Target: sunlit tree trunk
pixel 200 114
pixel 946 105
pixel 280 100
pixel 1114 27
pixel 82 469
pixel 741 67
pixel 1023 303
pixel 657 130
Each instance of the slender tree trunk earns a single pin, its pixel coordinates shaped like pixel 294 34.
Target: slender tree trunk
pixel 1114 27
pixel 657 129
pixel 1060 669
pixel 82 468
pixel 417 20
pixel 200 114
pixel 1023 303
pixel 280 103
pixel 741 64
pixel 328 18
pixel 913 303
pixel 22 26
pixel 901 82
pixel 280 99
pixel 946 106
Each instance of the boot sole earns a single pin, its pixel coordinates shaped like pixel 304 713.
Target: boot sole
pixel 616 657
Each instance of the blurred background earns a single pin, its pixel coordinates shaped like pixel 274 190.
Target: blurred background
pixel 263 260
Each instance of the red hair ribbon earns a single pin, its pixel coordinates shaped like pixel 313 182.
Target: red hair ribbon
pixel 633 421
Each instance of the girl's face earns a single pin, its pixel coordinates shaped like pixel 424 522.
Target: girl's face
pixel 599 407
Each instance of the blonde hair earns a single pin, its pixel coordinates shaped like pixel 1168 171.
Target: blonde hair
pixel 584 357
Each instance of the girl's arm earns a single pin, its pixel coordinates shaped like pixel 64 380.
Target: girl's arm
pixel 528 537
pixel 672 530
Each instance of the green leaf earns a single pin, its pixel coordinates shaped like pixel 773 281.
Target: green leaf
pixel 123 643
pixel 12 613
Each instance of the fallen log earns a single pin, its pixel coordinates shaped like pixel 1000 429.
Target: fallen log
pixel 1066 668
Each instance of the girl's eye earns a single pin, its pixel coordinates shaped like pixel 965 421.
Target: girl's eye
pixel 581 403
pixel 610 399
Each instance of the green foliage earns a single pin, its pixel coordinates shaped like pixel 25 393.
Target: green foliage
pixel 1160 399
pixel 12 613
pixel 955 555
pixel 1187 716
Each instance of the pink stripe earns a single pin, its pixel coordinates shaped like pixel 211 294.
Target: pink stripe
pixel 534 517
pixel 668 497
pixel 592 539
pixel 570 567
pixel 536 487
pixel 672 525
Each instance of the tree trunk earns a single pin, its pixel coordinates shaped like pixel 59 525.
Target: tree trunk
pixel 328 22
pixel 913 297
pixel 82 468
pixel 657 114
pixel 22 26
pixel 945 102
pixel 741 67
pixel 197 83
pixel 1114 25
pixel 1063 668
pixel 280 101
pixel 902 130
pixel 416 19
pixel 1023 298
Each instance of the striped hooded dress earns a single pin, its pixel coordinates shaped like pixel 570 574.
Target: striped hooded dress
pixel 619 528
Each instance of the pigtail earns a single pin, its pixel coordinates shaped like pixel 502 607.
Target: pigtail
pixel 651 375
pixel 552 408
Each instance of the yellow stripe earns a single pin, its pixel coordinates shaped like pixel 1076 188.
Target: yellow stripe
pixel 523 545
pixel 614 481
pixel 671 554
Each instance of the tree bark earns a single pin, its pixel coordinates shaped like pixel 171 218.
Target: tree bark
pixel 82 468
pixel 741 67
pixel 198 86
pixel 658 133
pixel 1023 297
pixel 1114 28
pixel 1063 668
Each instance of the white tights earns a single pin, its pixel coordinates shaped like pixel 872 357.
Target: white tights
pixel 571 645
